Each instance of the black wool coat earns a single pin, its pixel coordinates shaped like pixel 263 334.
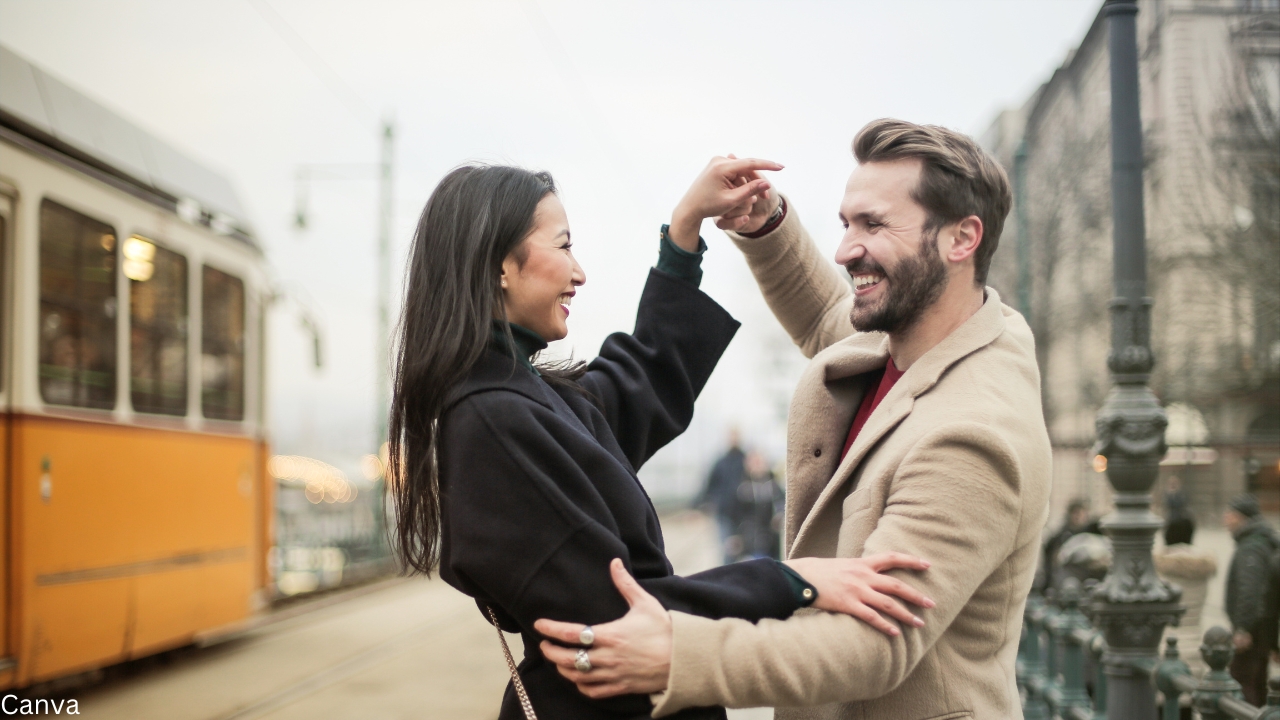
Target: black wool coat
pixel 539 492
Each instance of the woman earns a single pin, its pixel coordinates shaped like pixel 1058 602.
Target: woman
pixel 519 479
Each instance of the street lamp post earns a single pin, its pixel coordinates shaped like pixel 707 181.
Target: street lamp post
pixel 1132 605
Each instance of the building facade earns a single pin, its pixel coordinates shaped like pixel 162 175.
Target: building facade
pixel 1210 74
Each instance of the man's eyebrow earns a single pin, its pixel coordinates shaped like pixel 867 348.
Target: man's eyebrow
pixel 869 215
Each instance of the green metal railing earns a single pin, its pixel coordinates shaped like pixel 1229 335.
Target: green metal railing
pixel 1061 673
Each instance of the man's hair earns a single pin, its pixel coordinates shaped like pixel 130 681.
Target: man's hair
pixel 958 178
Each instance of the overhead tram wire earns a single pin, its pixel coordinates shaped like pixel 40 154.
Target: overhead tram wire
pixel 314 61
pixel 352 100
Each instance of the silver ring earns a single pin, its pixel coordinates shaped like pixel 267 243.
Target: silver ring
pixel 582 662
pixel 587 636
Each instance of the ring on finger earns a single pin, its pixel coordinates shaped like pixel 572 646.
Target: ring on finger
pixel 587 636
pixel 582 662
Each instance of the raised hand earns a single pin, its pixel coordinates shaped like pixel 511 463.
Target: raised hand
pixel 857 587
pixel 727 188
pixel 750 217
pixel 629 655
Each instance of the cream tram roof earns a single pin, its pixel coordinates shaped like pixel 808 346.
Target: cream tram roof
pixel 41 107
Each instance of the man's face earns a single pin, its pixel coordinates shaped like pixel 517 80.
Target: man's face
pixel 897 271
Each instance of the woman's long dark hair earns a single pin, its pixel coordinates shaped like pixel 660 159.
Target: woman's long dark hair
pixel 475 218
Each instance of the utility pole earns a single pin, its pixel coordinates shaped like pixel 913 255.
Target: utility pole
pixel 1024 229
pixel 383 284
pixel 1132 604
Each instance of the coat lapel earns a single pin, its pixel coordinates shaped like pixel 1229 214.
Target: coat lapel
pixel 821 411
pixel 852 357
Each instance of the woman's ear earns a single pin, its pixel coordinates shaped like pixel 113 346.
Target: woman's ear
pixel 509 267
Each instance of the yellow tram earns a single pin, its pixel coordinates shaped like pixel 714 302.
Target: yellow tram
pixel 135 507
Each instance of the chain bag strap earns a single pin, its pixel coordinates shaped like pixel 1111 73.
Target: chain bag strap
pixel 511 665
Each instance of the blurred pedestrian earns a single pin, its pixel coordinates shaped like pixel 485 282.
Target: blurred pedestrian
pixel 1175 500
pixel 1248 595
pixel 1190 568
pixel 717 496
pixel 1077 521
pixel 756 511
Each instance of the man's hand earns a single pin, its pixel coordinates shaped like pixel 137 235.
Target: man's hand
pixel 728 188
pixel 855 586
pixel 629 655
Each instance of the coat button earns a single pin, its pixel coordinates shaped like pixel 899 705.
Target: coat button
pixel 817 452
pixel 808 594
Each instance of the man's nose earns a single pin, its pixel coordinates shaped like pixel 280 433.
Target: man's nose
pixel 850 249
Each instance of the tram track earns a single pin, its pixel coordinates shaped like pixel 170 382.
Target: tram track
pixel 343 670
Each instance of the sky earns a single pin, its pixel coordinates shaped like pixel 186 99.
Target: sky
pixel 623 102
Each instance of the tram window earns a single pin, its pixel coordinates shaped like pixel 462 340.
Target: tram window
pixel 77 309
pixel 157 327
pixel 222 345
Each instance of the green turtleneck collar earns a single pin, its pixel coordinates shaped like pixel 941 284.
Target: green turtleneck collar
pixel 527 343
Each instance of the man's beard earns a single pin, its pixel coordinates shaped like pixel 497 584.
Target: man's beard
pixel 915 283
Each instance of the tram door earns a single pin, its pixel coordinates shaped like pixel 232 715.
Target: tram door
pixel 6 366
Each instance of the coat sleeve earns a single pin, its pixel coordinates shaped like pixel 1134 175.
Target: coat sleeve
pixel 806 291
pixel 955 501
pixel 646 382
pixel 521 528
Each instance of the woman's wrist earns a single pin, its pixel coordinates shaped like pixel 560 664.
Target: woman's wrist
pixel 684 230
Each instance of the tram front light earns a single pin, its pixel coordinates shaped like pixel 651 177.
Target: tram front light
pixel 138 256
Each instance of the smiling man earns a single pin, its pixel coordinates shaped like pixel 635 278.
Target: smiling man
pixel 916 428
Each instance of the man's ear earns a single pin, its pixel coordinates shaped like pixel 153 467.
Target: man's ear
pixel 965 240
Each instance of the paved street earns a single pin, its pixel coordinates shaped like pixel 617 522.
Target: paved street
pixel 401 649
pixel 407 649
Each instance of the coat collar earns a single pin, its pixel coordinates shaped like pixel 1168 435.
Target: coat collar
pixel 499 371
pixel 864 352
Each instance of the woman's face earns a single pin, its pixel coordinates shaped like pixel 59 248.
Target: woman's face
pixel 537 293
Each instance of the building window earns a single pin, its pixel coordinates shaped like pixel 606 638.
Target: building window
pixel 157 327
pixel 222 346
pixel 77 309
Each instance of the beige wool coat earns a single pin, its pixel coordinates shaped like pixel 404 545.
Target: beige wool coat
pixel 953 466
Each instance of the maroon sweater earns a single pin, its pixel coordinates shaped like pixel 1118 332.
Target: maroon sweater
pixel 876 391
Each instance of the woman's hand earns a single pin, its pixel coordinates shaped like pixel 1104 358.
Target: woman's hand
pixel 855 586
pixel 723 189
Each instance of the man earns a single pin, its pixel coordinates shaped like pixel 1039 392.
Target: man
pixel 916 428
pixel 721 488
pixel 1248 601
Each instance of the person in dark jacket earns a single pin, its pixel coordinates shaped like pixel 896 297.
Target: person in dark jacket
pixel 1076 522
pixel 717 496
pixel 518 479
pixel 755 511
pixel 1249 579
